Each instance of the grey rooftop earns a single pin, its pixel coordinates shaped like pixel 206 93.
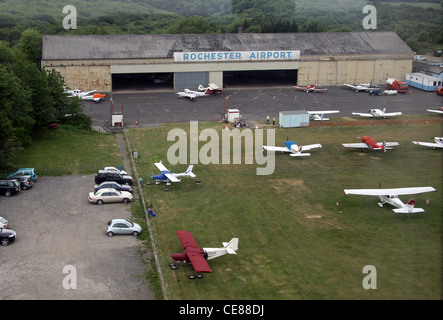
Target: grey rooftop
pixel 154 46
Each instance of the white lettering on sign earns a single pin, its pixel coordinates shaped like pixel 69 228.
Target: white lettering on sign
pixel 229 56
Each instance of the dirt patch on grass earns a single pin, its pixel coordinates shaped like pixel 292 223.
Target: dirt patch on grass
pixel 293 185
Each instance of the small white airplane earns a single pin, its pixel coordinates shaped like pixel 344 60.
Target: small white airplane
pixel 390 196
pixel 370 143
pixel 96 97
pixel 319 115
pixel 311 88
pixel 291 146
pixel 167 175
pixel 438 143
pixel 436 111
pixel 377 113
pixel 193 94
pixel 362 87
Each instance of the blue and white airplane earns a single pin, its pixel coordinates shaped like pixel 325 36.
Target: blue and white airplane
pixel 319 115
pixel 296 150
pixel 167 175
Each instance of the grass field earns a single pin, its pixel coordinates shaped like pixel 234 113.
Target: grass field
pixel 295 242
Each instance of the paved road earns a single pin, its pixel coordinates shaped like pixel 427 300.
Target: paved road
pixel 150 108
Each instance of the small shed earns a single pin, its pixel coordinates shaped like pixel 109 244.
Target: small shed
pixel 233 115
pixel 423 81
pixel 117 119
pixel 290 119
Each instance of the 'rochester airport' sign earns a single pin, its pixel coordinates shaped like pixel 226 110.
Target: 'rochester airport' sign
pixel 232 56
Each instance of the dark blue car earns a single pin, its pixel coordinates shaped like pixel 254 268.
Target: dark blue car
pixel 112 184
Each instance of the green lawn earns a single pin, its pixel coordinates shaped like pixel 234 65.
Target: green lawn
pixel 68 150
pixel 295 243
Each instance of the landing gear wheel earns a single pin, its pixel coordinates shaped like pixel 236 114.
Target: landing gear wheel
pixel 173 266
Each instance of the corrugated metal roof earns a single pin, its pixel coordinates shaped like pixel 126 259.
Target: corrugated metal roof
pixel 86 47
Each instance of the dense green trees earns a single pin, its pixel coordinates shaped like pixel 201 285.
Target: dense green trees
pixel 31 99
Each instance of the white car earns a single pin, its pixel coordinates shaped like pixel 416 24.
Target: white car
pixel 108 195
pixel 114 169
pixel 122 226
pixel 3 223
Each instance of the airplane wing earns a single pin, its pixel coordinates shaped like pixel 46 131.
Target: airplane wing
pixel 369 115
pixel 160 166
pixel 428 144
pixel 392 191
pixel 186 239
pixel 317 89
pixel 310 146
pixel 436 111
pixel 350 86
pixel 171 177
pixel 281 149
pixel 355 145
pixel 323 112
pixel 199 262
pixel 391 114
pixel 299 88
pixel 89 92
pixel 391 144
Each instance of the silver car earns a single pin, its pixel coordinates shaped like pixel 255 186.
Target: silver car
pixel 122 226
pixel 108 195
pixel 3 223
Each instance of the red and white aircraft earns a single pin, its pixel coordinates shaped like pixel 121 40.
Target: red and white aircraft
pixel 370 143
pixel 96 97
pixel 390 196
pixel 199 257
pixel 438 143
pixel 377 113
pixel 310 88
pixel 213 88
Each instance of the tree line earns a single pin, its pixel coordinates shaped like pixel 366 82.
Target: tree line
pixel 31 98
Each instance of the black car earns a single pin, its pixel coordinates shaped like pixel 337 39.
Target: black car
pixel 6 236
pixel 103 176
pixel 26 182
pixel 9 186
pixel 113 184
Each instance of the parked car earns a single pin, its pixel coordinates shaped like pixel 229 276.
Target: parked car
pixel 3 223
pixel 103 176
pixel 108 195
pixel 113 169
pixel 114 185
pixel 9 186
pixel 122 226
pixel 26 182
pixel 25 172
pixel 6 236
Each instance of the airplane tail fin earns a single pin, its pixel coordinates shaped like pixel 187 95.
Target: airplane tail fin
pixel 409 208
pixel 383 146
pixel 189 171
pixel 232 246
pixel 201 88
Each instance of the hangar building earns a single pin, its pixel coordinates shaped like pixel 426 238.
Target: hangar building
pixel 109 62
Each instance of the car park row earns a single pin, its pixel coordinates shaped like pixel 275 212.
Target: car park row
pixel 112 185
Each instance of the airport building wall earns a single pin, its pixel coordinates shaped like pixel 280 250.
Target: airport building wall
pixel 331 59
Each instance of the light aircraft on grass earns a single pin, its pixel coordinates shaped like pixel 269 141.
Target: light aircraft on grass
pixel 197 256
pixel 167 175
pixel 186 93
pixel 291 146
pixel 370 143
pixel 390 196
pixel 311 88
pixel 319 115
pixel 362 87
pixel 377 113
pixel 438 143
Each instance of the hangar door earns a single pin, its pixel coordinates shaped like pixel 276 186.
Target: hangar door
pixel 190 80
